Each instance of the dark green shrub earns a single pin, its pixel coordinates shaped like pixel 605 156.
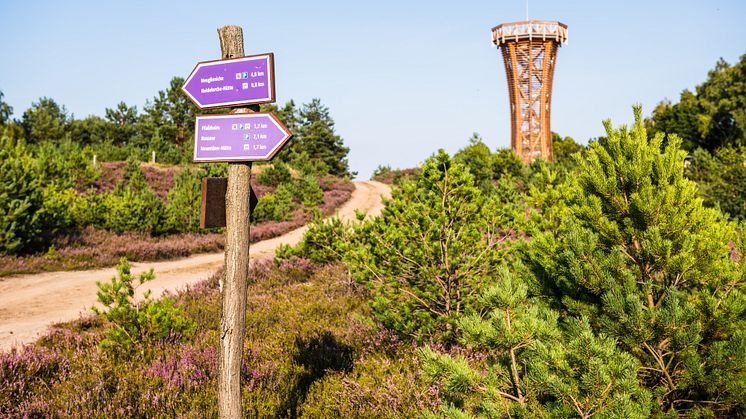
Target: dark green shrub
pixel 275 174
pixel 308 166
pixel 58 204
pixel 23 220
pixel 109 151
pixel 721 177
pixel 89 210
pixel 478 158
pixel 129 210
pixel 277 205
pixel 182 208
pixel 212 170
pixel 324 242
pixel 133 178
pixel 130 207
pixel 534 367
pixel 308 191
pixel 506 163
pixel 66 163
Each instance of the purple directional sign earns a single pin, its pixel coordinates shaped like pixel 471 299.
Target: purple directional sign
pixel 238 81
pixel 238 137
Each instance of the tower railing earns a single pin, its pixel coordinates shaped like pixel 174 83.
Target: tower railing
pixel 539 29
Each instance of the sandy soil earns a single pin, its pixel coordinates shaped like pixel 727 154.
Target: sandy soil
pixel 31 303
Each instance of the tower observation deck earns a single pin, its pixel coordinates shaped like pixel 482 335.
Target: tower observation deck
pixel 530 51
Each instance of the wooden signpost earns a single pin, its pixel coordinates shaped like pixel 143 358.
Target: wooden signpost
pixel 241 82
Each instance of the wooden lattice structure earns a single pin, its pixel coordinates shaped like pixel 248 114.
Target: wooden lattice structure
pixel 530 52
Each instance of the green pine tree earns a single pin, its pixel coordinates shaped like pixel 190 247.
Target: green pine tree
pixel 534 367
pixel 647 265
pixel 21 198
pixel 430 253
pixel 318 139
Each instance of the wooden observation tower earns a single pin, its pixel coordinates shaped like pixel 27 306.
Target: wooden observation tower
pixel 530 51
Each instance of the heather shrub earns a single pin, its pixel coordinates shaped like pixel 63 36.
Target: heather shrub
pixel 383 173
pixel 296 269
pixel 378 386
pixel 389 176
pixel 298 332
pixel 182 380
pixel 133 323
pixel 24 370
pixel 306 335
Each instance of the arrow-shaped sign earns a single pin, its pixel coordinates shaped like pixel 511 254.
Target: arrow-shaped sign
pixel 238 81
pixel 238 137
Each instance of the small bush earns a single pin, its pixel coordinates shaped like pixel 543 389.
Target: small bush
pixel 308 191
pixel 324 242
pixel 377 387
pixel 275 175
pixel 182 209
pixel 277 205
pixel 22 371
pixel 129 210
pixel 132 206
pixel 67 163
pixel 149 321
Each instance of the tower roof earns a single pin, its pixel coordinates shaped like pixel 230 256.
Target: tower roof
pixel 527 30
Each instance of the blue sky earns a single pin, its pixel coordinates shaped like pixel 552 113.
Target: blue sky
pixel 402 79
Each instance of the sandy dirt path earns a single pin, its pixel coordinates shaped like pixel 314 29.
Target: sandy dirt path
pixel 29 304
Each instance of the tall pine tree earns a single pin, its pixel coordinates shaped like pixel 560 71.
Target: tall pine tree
pixel 646 264
pixel 317 138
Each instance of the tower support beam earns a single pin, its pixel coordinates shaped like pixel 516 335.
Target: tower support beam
pixel 529 51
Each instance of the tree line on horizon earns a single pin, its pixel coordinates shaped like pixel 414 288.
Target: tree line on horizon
pixel 49 184
pixel 166 126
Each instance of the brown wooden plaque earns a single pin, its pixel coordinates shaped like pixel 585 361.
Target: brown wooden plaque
pixel 212 206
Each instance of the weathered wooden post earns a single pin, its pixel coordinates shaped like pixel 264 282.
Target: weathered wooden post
pixel 233 291
pixel 239 138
